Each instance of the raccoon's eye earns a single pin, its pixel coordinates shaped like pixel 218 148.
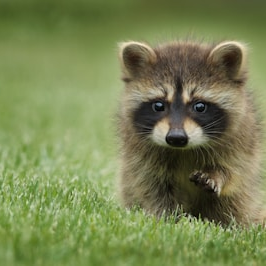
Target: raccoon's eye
pixel 200 107
pixel 158 106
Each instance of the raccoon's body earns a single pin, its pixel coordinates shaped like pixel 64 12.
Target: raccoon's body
pixel 188 130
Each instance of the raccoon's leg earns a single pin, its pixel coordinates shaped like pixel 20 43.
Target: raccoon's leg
pixel 210 181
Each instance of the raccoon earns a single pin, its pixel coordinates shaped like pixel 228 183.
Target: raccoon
pixel 189 134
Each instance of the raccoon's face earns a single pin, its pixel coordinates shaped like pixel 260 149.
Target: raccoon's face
pixel 180 124
pixel 183 96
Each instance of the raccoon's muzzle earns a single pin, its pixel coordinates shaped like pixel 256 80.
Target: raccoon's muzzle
pixel 177 138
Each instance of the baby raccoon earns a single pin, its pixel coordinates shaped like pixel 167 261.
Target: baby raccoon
pixel 188 131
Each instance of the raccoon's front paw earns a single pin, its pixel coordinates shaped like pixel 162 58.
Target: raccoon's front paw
pixel 205 181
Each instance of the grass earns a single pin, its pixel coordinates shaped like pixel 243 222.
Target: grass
pixel 59 86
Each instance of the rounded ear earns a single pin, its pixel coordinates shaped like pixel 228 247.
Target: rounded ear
pixel 229 57
pixel 135 57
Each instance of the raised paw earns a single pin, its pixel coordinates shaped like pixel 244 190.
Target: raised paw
pixel 205 181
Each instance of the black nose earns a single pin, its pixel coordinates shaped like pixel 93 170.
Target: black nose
pixel 177 138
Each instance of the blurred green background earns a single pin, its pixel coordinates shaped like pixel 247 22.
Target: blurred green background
pixel 62 54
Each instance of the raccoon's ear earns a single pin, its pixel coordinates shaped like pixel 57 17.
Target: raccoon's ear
pixel 136 57
pixel 229 57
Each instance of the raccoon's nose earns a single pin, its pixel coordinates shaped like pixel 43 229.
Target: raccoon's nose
pixel 177 138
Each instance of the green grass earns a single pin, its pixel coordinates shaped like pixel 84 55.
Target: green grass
pixel 59 87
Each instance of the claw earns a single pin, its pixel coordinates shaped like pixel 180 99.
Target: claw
pixel 204 181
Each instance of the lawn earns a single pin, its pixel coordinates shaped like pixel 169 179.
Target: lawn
pixel 59 88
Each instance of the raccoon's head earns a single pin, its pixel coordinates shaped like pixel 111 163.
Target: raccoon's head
pixel 183 95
